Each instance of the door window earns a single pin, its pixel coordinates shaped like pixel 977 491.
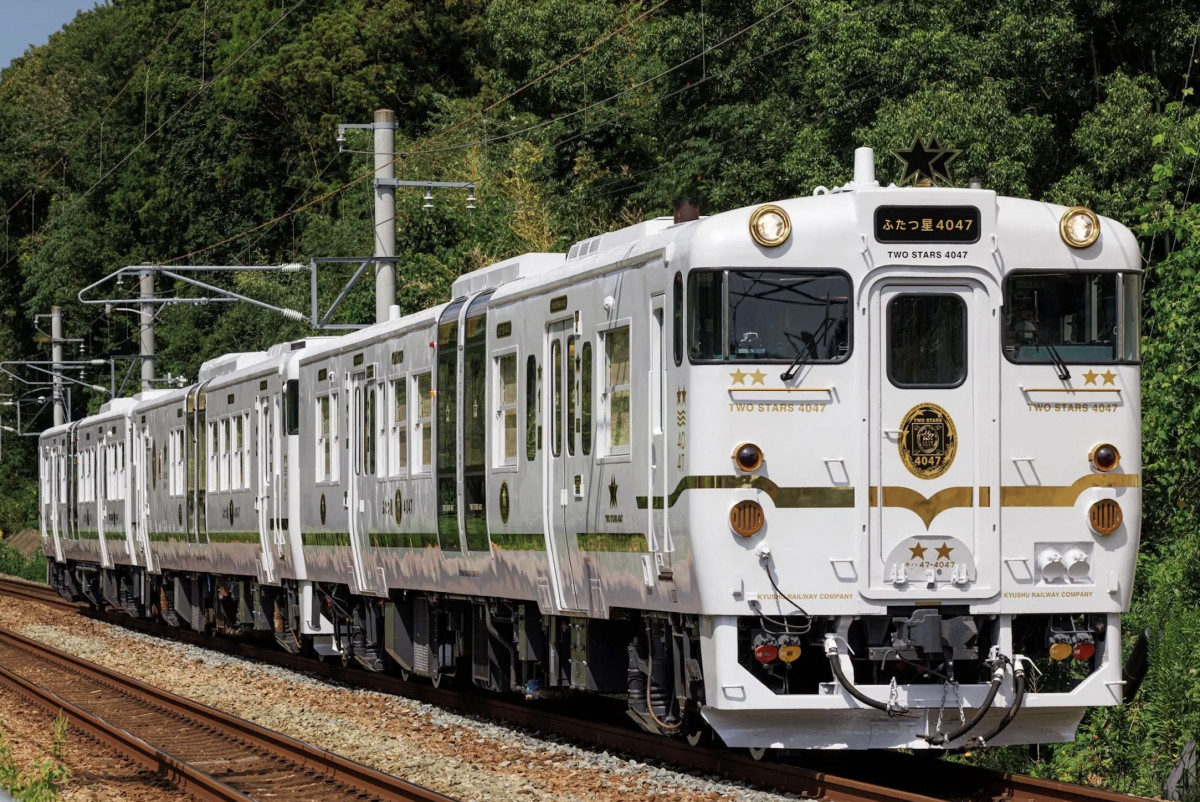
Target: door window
pixel 927 341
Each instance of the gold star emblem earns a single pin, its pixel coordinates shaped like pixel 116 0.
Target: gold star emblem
pixel 612 492
pixel 738 377
pixel 918 551
pixel 944 551
pixel 1109 377
pixel 1090 377
pixel 758 376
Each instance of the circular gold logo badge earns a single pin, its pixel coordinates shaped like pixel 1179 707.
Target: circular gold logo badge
pixel 928 441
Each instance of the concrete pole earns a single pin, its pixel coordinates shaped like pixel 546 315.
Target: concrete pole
pixel 146 319
pixel 385 212
pixel 56 355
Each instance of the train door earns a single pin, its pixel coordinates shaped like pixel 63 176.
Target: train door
pixel 52 501
pixel 363 464
pixel 656 455
pixel 563 544
pixel 197 447
pixel 267 501
pixel 933 423
pixel 446 429
pixel 143 478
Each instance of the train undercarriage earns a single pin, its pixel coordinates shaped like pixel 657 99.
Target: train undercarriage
pixel 652 660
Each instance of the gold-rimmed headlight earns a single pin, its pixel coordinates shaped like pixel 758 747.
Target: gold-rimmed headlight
pixel 1079 227
pixel 770 226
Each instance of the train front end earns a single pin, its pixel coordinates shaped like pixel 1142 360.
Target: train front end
pixel 910 441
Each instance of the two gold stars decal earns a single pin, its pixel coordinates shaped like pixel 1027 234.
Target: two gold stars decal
pixel 739 377
pixel 1108 376
pixel 943 551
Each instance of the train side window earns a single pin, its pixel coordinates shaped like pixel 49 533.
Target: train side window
pixel 292 406
pixel 616 389
pixel 506 406
pixel 677 319
pixel 324 442
pixel 369 430
pixel 585 438
pixel 531 427
pixel 572 393
pixel 927 341
pixel 236 463
pixel 212 455
pixel 556 410
pixel 425 419
pixel 399 444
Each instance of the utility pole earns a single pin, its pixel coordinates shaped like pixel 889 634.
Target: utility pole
pixel 385 207
pixel 146 319
pixel 56 357
pixel 385 213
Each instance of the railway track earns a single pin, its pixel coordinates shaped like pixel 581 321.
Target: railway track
pixel 210 755
pixel 842 776
pixel 33 591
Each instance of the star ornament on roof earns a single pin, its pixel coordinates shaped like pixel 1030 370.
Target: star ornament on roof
pixel 926 162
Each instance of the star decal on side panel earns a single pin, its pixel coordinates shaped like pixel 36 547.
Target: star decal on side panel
pixel 758 376
pixel 612 492
pixel 1109 377
pixel 943 551
pixel 1090 377
pixel 918 551
pixel 738 376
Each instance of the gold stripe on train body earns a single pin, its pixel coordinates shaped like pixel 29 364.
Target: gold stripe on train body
pixel 1063 496
pixel 925 508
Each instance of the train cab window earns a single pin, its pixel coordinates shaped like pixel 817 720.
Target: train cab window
pixel 398 454
pixel 1072 317
pixel 616 389
pixel 506 405
pixel 425 419
pixel 768 315
pixel 927 340
pixel 292 406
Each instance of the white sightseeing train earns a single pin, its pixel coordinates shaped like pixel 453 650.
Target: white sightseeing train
pixel 854 470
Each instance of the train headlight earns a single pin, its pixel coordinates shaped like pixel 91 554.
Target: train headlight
pixel 1105 516
pixel 1079 227
pixel 1105 457
pixel 747 518
pixel 770 226
pixel 748 457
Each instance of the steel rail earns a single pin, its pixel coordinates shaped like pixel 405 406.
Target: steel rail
pixel 365 782
pixel 926 779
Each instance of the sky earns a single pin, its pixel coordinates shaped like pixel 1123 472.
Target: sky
pixel 30 22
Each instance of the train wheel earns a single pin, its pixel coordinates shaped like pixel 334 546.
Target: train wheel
pixel 696 730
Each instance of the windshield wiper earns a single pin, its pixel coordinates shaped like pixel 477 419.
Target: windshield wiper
pixel 1060 366
pixel 810 345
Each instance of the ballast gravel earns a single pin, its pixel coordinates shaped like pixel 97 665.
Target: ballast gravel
pixel 460 756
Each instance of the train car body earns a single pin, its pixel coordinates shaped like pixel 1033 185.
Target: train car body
pixel 842 471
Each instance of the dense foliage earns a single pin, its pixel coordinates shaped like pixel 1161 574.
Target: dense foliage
pixel 153 130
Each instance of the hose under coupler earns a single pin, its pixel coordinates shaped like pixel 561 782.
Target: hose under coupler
pixel 1018 699
pixel 937 739
pixel 831 651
